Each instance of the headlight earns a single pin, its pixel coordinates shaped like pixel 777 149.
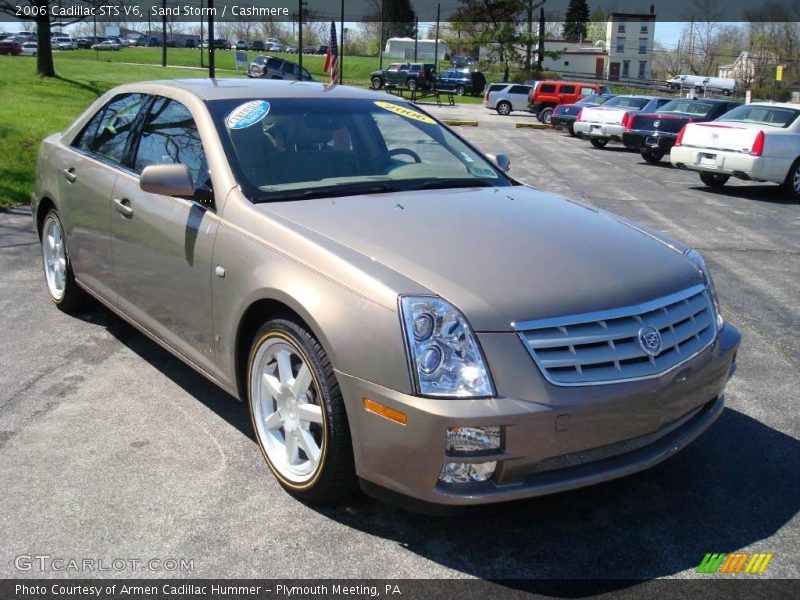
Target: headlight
pixel 446 359
pixel 697 260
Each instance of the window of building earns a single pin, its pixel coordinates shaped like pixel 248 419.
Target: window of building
pixel 642 67
pixel 620 44
pixel 643 28
pixel 621 27
pixel 566 63
pixel 626 68
pixel 643 46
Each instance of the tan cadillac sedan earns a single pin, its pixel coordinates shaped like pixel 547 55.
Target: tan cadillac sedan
pixel 396 311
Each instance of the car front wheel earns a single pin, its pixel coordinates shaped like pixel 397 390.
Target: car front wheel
pixel 714 180
pixel 298 413
pixel 460 90
pixel 61 286
pixel 546 115
pixel 598 142
pixel 377 83
pixel 411 84
pixel 503 108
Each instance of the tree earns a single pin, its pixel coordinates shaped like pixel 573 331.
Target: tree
pixel 575 20
pixel 399 19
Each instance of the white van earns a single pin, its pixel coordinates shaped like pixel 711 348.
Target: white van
pixel 685 81
pixel 721 85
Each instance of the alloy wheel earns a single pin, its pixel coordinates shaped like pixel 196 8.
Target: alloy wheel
pixel 55 258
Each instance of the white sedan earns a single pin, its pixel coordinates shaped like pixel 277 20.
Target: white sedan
pixel 107 45
pixel 758 141
pixel 29 48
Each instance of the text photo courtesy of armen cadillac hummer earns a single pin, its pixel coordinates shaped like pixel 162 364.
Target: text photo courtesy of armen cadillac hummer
pixel 397 297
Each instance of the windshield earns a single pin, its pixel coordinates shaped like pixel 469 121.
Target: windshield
pixel 290 148
pixel 628 102
pixel 687 107
pixel 772 116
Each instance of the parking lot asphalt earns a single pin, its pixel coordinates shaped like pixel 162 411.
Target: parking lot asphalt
pixel 111 448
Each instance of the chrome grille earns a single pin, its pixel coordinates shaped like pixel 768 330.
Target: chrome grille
pixel 604 347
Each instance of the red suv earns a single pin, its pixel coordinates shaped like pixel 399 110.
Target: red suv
pixel 549 94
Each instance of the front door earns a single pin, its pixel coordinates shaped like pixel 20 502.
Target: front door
pixel 613 71
pixel 598 68
pixel 162 246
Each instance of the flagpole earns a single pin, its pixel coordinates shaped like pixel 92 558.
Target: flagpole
pixel 341 47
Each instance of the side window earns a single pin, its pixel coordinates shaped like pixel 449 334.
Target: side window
pixel 109 136
pixel 393 68
pixel 170 136
pixel 274 63
pixel 547 88
pixel 587 91
pixel 519 89
pixel 86 138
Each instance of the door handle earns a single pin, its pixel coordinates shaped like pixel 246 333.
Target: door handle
pixel 123 207
pixel 69 174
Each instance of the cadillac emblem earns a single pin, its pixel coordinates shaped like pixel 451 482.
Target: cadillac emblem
pixel 650 340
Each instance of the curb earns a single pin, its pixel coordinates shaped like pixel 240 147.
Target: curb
pixel 521 124
pixel 460 122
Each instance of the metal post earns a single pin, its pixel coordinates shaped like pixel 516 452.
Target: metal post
pixel 164 34
pixel 211 69
pixel 341 49
pixel 416 36
pixel 436 42
pixel 300 36
pixel 201 34
pixel 540 44
pixel 380 47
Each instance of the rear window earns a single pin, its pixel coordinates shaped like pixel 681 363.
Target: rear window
pixel 547 88
pixel 627 102
pixel 686 107
pixel 496 87
pixel 772 116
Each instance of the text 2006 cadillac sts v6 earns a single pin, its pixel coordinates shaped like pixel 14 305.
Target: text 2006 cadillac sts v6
pixel 394 309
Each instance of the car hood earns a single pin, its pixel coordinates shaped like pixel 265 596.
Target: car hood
pixel 502 255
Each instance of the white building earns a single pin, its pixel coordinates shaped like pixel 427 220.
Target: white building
pixel 404 48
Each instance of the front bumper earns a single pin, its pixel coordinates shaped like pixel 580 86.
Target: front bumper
pixel 649 140
pixel 611 131
pixel 556 439
pixel 736 164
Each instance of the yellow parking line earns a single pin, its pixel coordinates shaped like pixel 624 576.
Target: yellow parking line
pixel 531 125
pixel 460 122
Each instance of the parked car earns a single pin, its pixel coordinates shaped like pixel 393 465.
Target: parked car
pixel 10 47
pixel 269 67
pixel 356 336
pixel 29 48
pixel 63 43
pixel 602 124
pixel 507 97
pixel 462 62
pixel 271 41
pixel 461 81
pixel 258 45
pixel 221 44
pixel 85 43
pixel 758 142
pixel 409 75
pixel 190 43
pixel 322 49
pixel 292 49
pixel 242 45
pixel 107 45
pixel 564 115
pixel 153 41
pixel 654 134
pixel 548 94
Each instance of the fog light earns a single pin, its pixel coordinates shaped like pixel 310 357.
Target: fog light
pixel 467 472
pixel 464 440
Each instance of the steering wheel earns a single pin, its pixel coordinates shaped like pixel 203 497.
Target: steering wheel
pixel 411 153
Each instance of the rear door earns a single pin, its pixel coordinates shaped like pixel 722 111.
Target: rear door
pixel 89 170
pixel 518 95
pixel 162 246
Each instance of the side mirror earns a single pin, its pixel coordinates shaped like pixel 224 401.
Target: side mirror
pixel 167 180
pixel 501 160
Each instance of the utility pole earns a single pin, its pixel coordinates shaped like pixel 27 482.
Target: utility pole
pixel 540 45
pixel 201 35
pixel 300 35
pixel 436 42
pixel 530 35
pixel 341 49
pixel 164 34
pixel 380 47
pixel 211 70
pixel 416 36
pixel 691 46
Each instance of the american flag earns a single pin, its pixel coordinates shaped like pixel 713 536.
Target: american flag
pixel 332 58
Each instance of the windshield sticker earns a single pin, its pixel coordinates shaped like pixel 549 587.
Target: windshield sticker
pixel 405 112
pixel 247 114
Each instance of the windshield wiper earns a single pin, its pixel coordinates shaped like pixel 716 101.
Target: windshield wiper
pixel 331 191
pixel 441 184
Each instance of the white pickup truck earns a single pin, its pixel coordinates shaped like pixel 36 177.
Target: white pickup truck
pixel 758 141
pixel 609 121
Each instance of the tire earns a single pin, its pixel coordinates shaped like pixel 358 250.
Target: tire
pixel 377 83
pixel 571 129
pixel 792 182
pixel 330 475
pixel 652 156
pixel 598 142
pixel 714 180
pixel 460 90
pixel 411 84
pixel 546 115
pixel 503 108
pixel 58 274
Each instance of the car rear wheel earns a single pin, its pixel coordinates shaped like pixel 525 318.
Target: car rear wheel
pixel 411 84
pixel 460 90
pixel 546 115
pixel 714 180
pixel 571 129
pixel 377 83
pixel 298 413
pixel 652 156
pixel 503 108
pixel 61 286
pixel 599 142
pixel 792 182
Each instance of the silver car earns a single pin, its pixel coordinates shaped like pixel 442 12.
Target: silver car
pixel 507 97
pixel 393 308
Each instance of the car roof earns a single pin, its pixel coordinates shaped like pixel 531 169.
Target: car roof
pixel 227 89
pixel 776 105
